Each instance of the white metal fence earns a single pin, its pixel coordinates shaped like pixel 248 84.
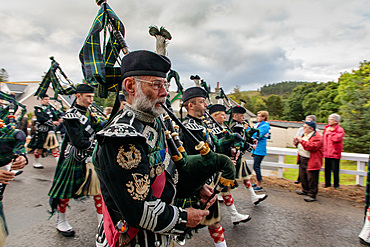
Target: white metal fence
pixel 281 152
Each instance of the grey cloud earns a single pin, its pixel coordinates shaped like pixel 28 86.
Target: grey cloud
pixel 246 43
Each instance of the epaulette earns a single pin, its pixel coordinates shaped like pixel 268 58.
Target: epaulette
pixel 191 124
pixel 235 124
pixel 238 125
pixel 39 107
pixel 216 130
pixel 72 114
pixel 123 125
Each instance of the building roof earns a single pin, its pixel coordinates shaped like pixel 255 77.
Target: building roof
pixel 17 88
pixel 68 99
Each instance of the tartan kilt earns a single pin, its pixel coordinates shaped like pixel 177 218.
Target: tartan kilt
pixel 37 141
pixel 68 178
pixel 241 170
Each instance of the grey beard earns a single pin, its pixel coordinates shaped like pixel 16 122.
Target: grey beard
pixel 143 103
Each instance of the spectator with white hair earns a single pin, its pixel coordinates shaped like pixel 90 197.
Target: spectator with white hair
pixel 333 146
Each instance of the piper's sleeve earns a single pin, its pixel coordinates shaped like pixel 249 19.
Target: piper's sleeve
pixel 41 116
pixel 233 129
pixel 56 114
pixel 20 138
pixel 75 132
pixel 125 173
pixel 245 146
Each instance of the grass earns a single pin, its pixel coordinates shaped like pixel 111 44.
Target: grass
pixel 344 179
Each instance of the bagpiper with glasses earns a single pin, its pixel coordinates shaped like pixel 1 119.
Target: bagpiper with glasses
pixel 137 174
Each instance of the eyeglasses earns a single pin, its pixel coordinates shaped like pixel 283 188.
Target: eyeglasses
pixel 157 84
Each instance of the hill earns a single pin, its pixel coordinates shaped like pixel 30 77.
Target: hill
pixel 280 88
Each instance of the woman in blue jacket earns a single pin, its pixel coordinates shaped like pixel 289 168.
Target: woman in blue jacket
pixel 260 152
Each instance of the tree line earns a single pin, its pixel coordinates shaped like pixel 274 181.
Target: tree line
pixel 280 88
pixel 349 97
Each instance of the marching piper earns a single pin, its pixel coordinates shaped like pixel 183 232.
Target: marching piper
pixel 81 124
pixel 47 119
pixel 194 99
pixel 12 154
pixel 134 165
pixel 238 125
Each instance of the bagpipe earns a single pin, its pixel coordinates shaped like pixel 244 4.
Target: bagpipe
pixel 227 139
pixel 247 133
pixel 195 170
pixel 96 110
pixel 98 57
pixel 223 97
pixel 8 114
pixel 250 132
pixel 52 77
pixel 55 76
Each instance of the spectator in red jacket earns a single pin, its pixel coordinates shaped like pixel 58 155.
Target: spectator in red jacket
pixel 310 156
pixel 333 146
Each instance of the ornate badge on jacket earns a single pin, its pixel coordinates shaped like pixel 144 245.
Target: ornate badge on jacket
pixel 139 188
pixel 129 159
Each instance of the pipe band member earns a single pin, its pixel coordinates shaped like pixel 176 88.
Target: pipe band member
pixel 238 125
pixel 47 118
pixel 134 165
pixel 75 175
pixel 194 99
pixel 12 155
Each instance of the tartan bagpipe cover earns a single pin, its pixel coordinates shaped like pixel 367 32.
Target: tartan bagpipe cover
pixel 97 67
pixel 51 77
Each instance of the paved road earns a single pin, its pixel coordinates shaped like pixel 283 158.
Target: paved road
pixel 284 219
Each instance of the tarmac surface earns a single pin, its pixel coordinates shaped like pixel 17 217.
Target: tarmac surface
pixel 283 219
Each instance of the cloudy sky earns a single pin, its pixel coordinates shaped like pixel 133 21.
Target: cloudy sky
pixel 246 42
